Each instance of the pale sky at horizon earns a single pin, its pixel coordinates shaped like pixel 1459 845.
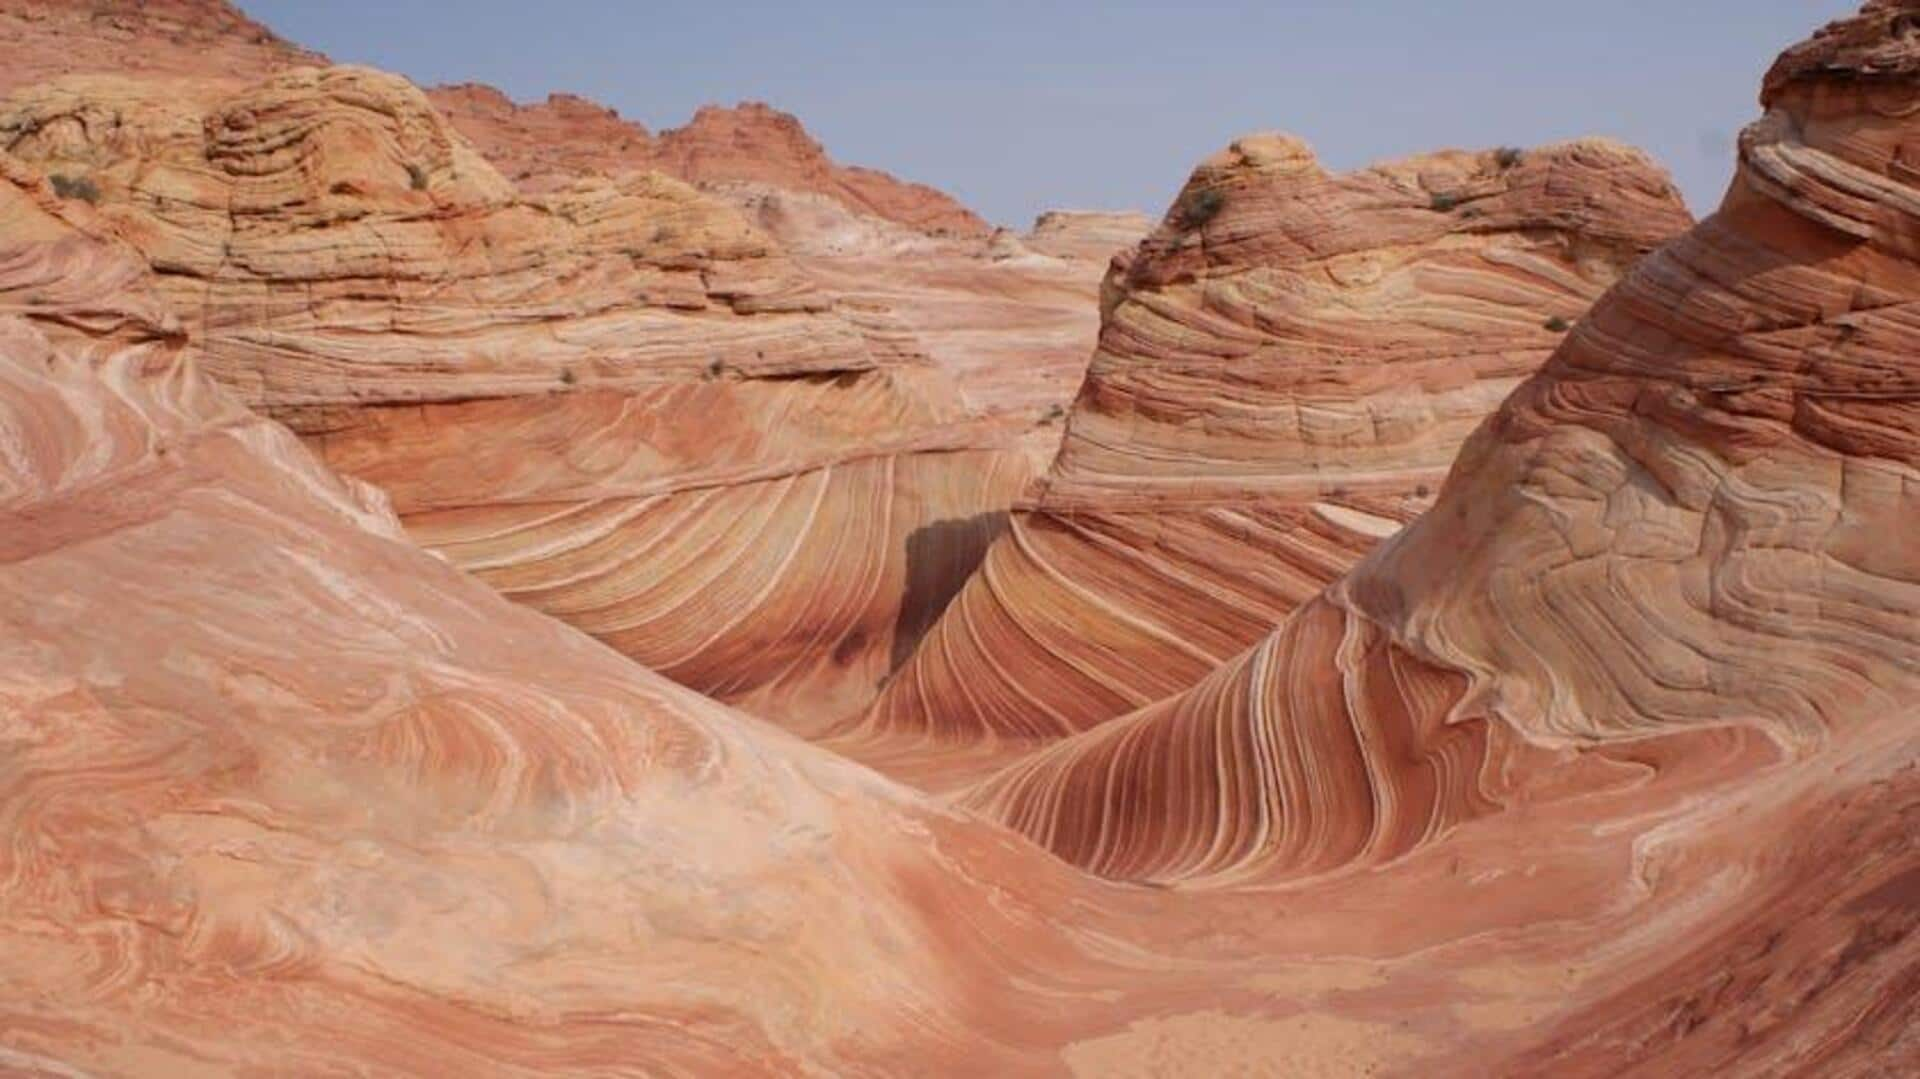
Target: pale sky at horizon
pixel 1016 108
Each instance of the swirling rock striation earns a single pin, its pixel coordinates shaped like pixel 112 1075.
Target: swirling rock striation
pixel 1286 367
pixel 282 790
pixel 555 390
pixel 1688 527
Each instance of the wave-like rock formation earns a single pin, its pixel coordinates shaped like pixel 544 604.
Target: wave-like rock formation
pixel 1690 529
pixel 1607 765
pixel 546 143
pixel 565 393
pixel 283 791
pixel 1285 370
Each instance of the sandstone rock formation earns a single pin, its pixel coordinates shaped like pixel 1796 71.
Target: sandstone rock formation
pixel 1095 235
pixel 571 395
pixel 1679 558
pixel 1605 766
pixel 1014 334
pixel 550 143
pixel 200 39
pixel 1286 367
pixel 283 791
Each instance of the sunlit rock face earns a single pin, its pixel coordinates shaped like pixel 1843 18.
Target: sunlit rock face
pixel 574 394
pixel 1286 368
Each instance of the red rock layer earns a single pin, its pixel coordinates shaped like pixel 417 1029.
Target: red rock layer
pixel 551 142
pixel 202 39
pixel 534 371
pixel 1285 369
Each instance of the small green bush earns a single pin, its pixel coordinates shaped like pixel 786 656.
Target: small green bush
pixel 1508 156
pixel 568 378
pixel 75 187
pixel 1444 202
pixel 1201 207
pixel 1558 324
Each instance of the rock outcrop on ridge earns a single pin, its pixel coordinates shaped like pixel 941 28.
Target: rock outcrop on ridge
pixel 1286 368
pixel 619 402
pixel 552 142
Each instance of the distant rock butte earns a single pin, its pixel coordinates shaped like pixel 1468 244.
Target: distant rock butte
pixel 1286 368
pixel 541 146
pixel 618 402
pixel 546 143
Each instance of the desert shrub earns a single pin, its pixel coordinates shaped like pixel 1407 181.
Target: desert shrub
pixel 74 187
pixel 1508 156
pixel 1558 324
pixel 1444 202
pixel 416 176
pixel 568 378
pixel 1200 207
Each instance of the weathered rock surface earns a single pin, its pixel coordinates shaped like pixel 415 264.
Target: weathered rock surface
pixel 565 393
pixel 551 143
pixel 200 39
pixel 1286 368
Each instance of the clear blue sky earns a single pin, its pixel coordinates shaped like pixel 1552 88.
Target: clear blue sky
pixel 1016 107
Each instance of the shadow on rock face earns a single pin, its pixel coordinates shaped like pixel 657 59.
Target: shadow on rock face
pixel 940 558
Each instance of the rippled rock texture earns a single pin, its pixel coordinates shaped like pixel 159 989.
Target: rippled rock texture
pixel 283 791
pixel 1681 552
pixel 1608 764
pixel 620 402
pixel 1286 368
